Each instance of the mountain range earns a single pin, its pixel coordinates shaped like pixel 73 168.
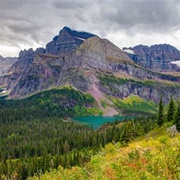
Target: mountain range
pixel 117 79
pixel 159 58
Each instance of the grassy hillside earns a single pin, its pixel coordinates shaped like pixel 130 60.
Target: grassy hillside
pixel 135 104
pixel 155 156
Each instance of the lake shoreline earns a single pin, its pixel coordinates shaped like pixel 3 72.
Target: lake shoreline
pixel 97 121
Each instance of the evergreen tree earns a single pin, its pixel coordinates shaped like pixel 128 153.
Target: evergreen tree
pixel 177 117
pixel 171 109
pixel 160 118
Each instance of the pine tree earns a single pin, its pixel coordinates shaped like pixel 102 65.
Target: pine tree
pixel 128 132
pixel 171 109
pixel 160 118
pixel 177 117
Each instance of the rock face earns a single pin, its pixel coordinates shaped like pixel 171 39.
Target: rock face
pixel 80 59
pixel 5 64
pixel 157 57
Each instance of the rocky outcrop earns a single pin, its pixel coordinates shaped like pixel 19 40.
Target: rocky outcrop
pixel 157 58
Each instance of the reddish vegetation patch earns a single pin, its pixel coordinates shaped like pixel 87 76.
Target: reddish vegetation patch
pixel 110 173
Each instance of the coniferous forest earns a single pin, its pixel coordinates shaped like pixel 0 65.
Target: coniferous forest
pixel 36 140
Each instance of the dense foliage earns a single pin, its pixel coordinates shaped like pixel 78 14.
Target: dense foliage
pixel 171 110
pixel 156 156
pixel 177 117
pixel 29 147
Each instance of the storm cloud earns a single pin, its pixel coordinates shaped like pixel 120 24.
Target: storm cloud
pixel 33 23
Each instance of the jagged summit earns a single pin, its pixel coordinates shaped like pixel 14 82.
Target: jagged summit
pixel 67 41
pixel 165 47
pixel 78 34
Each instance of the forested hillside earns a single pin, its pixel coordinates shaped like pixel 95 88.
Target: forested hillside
pixel 63 102
pixel 154 156
pixel 33 147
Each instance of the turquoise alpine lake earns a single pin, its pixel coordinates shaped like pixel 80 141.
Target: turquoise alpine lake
pixel 96 121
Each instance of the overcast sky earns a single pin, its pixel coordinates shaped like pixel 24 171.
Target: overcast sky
pixel 33 23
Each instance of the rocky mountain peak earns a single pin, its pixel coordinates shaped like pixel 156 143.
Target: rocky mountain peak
pixel 103 49
pixel 67 41
pixel 165 47
pixel 78 34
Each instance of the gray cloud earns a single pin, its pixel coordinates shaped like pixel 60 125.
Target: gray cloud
pixel 32 23
pixel 156 16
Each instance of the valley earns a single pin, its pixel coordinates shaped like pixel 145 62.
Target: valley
pixel 82 106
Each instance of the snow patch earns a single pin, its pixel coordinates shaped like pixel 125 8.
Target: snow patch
pixel 79 38
pixel 176 62
pixel 130 51
pixel 4 91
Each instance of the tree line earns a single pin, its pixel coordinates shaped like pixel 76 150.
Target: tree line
pixel 171 115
